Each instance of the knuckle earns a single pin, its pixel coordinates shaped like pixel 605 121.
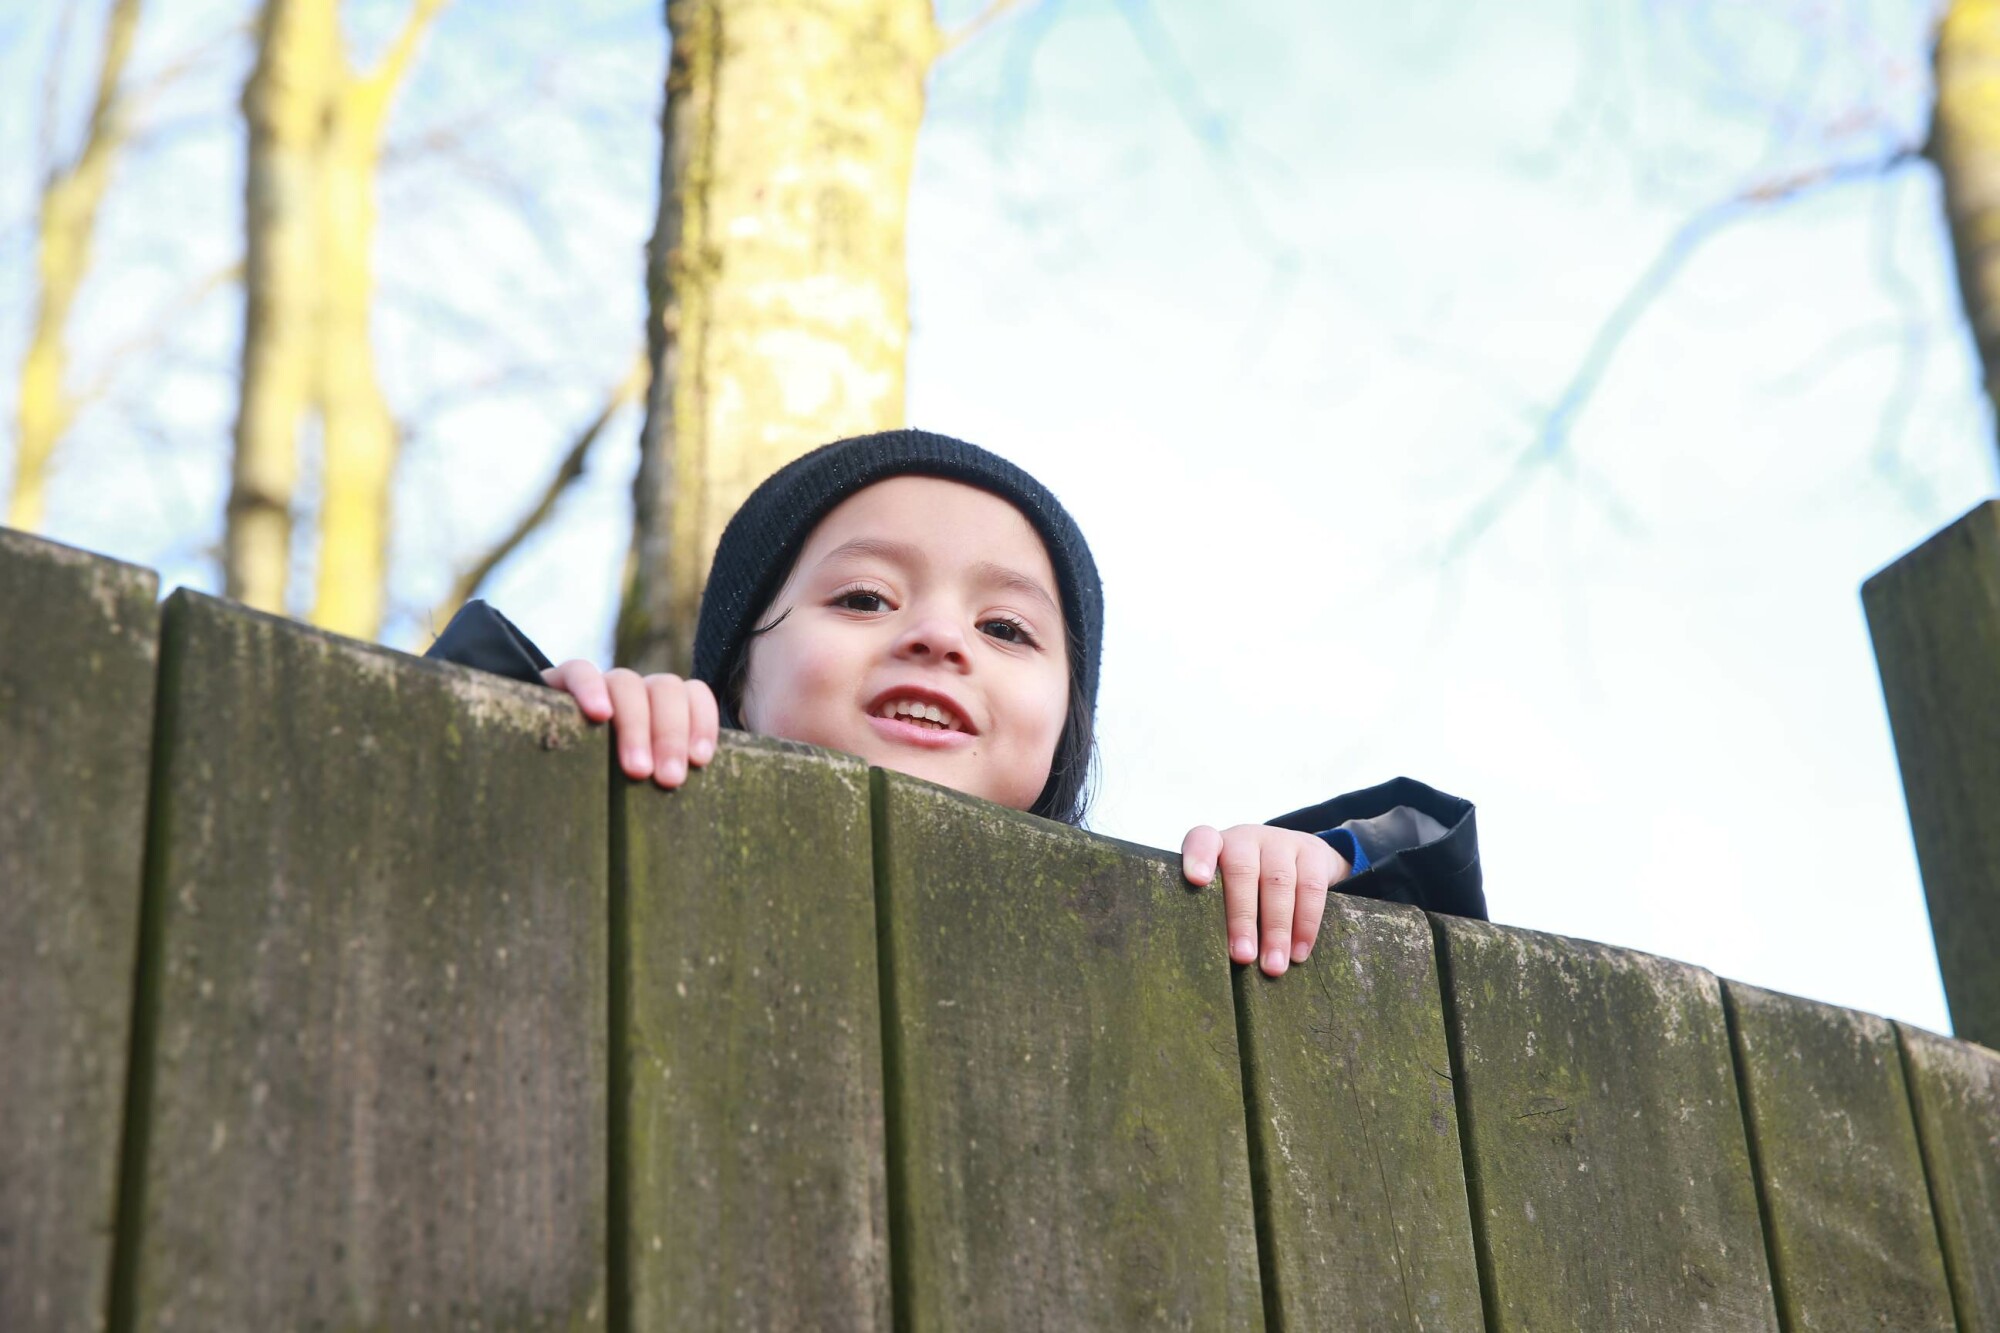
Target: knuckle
pixel 1238 867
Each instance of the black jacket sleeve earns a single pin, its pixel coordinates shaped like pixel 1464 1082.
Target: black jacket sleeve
pixel 1422 845
pixel 478 636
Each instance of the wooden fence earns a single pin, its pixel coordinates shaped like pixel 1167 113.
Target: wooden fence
pixel 340 990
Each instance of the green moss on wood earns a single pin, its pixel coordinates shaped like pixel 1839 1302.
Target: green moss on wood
pixel 1354 1133
pixel 378 1081
pixel 1847 1212
pixel 1599 1107
pixel 751 1089
pixel 1955 1092
pixel 78 640
pixel 1065 1084
pixel 1934 616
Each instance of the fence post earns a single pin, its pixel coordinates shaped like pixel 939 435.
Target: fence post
pixel 1935 619
pixel 78 637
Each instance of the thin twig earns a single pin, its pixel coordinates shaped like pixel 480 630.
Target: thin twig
pixel 1551 442
pixel 469 580
pixel 995 11
pixel 52 94
pixel 169 321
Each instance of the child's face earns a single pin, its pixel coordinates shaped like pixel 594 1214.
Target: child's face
pixel 918 590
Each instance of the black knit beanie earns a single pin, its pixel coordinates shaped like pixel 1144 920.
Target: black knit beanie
pixel 764 538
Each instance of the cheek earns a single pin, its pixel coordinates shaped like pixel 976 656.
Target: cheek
pixel 793 690
pixel 1044 704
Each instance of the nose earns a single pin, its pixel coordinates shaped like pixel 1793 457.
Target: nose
pixel 933 640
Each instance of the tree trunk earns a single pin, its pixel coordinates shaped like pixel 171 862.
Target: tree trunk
pixel 1965 144
pixel 285 103
pixel 361 440
pixel 71 197
pixel 315 141
pixel 778 300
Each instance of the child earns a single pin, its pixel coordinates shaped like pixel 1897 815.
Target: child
pixel 919 602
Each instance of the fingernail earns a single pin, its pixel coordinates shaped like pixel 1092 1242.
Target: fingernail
pixel 674 773
pixel 1300 952
pixel 638 763
pixel 704 751
pixel 1274 961
pixel 1243 949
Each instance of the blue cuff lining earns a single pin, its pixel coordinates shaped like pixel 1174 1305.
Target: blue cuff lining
pixel 1344 842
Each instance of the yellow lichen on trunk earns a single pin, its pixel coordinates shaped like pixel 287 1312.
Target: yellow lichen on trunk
pixel 360 436
pixel 298 49
pixel 315 143
pixel 1965 144
pixel 780 296
pixel 71 197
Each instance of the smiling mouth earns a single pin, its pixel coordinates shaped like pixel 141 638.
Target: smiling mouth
pixel 926 715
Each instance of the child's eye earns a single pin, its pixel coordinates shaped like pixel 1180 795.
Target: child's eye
pixel 861 599
pixel 1008 630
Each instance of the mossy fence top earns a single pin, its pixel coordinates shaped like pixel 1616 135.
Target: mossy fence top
pixel 341 990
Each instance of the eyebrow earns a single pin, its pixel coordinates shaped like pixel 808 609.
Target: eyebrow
pixel 1000 576
pixel 987 572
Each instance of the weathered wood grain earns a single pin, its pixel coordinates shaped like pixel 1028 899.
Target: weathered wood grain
pixel 78 638
pixel 1955 1091
pixel 376 993
pixel 1846 1210
pixel 1935 619
pixel 1066 1111
pixel 1608 1168
pixel 1353 1130
pixel 750 1153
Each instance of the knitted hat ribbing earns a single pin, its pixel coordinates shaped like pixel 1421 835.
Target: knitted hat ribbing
pixel 765 536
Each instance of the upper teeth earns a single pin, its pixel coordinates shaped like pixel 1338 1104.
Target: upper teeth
pixel 911 708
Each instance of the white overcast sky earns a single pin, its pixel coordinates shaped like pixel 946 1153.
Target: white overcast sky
pixel 1279 297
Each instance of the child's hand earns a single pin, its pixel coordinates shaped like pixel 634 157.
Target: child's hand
pixel 662 723
pixel 1284 872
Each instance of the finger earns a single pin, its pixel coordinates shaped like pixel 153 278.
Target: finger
pixel 703 722
pixel 1198 850
pixel 631 722
pixel 1316 871
pixel 1239 861
pixel 1278 885
pixel 585 683
pixel 668 697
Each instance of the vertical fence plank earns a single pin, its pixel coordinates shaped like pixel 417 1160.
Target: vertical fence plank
pixel 376 993
pixel 750 1079
pixel 1852 1240
pixel 78 638
pixel 1066 1108
pixel 1955 1091
pixel 1353 1131
pixel 1609 1172
pixel 1935 619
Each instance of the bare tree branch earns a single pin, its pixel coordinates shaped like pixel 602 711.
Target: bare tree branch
pixel 1552 440
pixel 66 225
pixel 52 94
pixel 396 60
pixel 199 57
pixel 625 392
pixel 166 324
pixel 995 11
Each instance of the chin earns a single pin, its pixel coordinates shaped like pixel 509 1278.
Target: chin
pixel 941 770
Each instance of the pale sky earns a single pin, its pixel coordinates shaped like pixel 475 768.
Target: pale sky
pixel 1278 298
